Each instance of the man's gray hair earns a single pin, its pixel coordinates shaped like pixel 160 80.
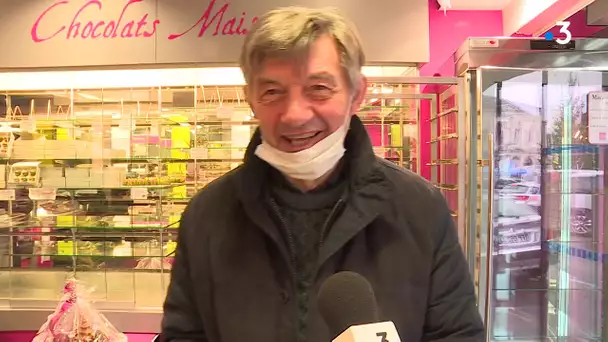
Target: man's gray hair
pixel 289 32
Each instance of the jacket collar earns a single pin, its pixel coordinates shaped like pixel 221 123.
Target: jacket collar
pixel 360 162
pixel 368 190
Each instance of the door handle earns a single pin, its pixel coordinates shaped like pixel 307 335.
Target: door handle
pixel 489 239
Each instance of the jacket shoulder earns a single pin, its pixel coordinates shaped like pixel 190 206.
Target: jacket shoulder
pixel 417 202
pixel 219 189
pixel 408 185
pixel 210 204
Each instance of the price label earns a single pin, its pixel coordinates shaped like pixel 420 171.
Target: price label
pixel 28 125
pixel 65 221
pixel 199 153
pixel 65 248
pixel 139 193
pixel 224 112
pixel 126 122
pixel 154 130
pixel 7 195
pixel 42 194
pixel 180 192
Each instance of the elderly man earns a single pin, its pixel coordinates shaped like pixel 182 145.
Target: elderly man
pixel 312 199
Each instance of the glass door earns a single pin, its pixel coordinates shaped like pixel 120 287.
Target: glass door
pixel 537 214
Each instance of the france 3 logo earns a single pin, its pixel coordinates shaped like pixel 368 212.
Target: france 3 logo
pixel 564 30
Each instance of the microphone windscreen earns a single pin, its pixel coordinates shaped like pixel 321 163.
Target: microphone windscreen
pixel 346 299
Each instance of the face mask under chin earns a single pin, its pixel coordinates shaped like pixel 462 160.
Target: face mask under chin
pixel 309 164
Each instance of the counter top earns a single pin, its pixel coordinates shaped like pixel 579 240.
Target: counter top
pixel 126 321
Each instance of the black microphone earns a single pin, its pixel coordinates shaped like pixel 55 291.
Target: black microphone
pixel 348 305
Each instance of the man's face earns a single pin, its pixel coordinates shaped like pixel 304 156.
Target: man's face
pixel 298 103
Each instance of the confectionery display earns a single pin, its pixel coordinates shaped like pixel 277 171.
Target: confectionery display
pixel 95 181
pixel 167 180
pixel 25 173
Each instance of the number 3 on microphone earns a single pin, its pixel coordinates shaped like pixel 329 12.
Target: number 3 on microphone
pixel 564 25
pixel 382 336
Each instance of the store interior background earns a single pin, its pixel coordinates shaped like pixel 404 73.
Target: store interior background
pixel 447 32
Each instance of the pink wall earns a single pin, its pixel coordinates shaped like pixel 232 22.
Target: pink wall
pixel 447 33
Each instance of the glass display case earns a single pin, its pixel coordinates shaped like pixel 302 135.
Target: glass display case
pixel 536 187
pixel 94 176
pixel 391 115
pixel 96 181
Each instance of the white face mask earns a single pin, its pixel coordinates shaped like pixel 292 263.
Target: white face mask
pixel 309 164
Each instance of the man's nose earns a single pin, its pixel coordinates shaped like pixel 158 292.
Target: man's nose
pixel 297 110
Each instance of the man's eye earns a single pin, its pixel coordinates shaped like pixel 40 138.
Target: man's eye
pixel 320 87
pixel 272 92
pixel 320 92
pixel 269 95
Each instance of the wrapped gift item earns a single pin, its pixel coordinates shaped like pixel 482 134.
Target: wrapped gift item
pixel 151 263
pixel 75 320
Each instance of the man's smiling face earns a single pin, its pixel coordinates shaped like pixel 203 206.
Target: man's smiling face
pixel 300 102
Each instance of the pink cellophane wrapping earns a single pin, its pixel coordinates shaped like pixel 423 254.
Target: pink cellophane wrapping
pixel 153 264
pixel 75 320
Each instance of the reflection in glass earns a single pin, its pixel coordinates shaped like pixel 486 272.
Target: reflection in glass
pixel 548 204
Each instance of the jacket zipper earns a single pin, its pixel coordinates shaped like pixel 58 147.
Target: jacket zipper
pixel 328 222
pixel 291 243
pixel 290 240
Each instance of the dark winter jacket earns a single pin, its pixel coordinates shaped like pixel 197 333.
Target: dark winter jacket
pixel 233 279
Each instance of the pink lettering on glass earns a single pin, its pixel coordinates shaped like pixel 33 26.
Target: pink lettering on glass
pixel 117 27
pixel 230 27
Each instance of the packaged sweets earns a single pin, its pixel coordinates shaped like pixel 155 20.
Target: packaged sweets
pixel 75 320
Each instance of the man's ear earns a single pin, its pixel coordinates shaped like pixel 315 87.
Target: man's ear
pixel 359 95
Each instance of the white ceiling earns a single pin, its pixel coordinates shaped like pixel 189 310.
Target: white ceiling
pixel 479 4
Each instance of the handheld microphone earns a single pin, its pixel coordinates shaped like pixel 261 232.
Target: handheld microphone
pixel 348 305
